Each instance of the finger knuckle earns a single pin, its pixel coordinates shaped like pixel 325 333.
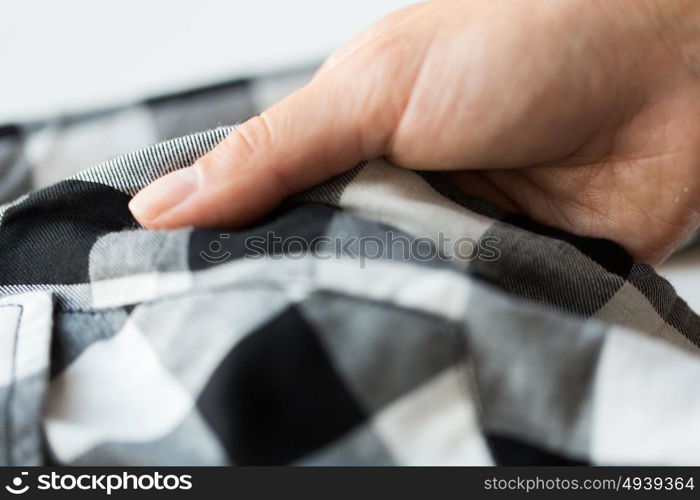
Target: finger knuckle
pixel 253 136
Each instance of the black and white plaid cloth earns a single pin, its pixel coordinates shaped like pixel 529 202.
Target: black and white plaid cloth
pixel 121 346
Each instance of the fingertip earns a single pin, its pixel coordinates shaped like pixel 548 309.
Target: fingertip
pixel 163 195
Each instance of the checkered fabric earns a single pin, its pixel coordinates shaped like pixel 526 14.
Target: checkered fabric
pixel 121 346
pixel 38 154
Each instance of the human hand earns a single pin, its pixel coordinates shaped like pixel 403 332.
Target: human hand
pixel 581 114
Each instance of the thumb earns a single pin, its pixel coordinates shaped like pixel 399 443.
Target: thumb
pixel 321 130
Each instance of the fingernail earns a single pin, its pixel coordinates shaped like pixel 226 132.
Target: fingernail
pixel 164 194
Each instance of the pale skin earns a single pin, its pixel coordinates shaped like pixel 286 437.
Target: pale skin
pixel 581 114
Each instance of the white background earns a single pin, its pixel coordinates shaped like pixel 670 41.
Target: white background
pixel 58 55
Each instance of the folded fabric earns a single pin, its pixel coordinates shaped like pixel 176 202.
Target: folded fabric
pixel 348 327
